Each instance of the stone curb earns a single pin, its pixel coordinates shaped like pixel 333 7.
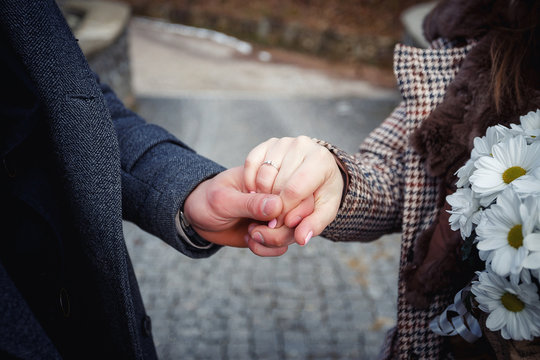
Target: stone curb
pixel 271 31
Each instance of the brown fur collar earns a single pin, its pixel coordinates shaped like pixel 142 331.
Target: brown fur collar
pixel 445 140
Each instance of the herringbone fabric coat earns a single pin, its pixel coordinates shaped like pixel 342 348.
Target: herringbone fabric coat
pixel 390 189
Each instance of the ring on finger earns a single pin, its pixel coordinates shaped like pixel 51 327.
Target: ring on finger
pixel 269 162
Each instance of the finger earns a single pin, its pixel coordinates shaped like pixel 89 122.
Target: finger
pixel 314 224
pixel 230 203
pixel 271 165
pixel 272 238
pixel 298 149
pixel 285 174
pixel 261 250
pixel 290 163
pixel 296 215
pixel 314 172
pixel 264 180
pixel 253 161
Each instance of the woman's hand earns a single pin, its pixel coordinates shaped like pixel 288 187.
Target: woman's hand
pixel 305 175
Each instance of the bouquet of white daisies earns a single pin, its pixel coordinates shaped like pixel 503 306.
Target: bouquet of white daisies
pixel 496 208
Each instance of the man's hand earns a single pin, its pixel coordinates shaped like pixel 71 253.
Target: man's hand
pixel 220 210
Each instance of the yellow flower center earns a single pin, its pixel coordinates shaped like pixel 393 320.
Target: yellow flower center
pixel 513 173
pixel 515 236
pixel 511 302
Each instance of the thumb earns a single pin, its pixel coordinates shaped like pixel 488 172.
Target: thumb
pixel 262 207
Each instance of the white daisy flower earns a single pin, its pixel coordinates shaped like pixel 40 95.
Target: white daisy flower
pixel 501 232
pixel 482 147
pixel 465 211
pixel 513 309
pixel 513 161
pixel 530 126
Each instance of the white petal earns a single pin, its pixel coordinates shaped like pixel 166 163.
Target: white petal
pixel 505 333
pixel 532 261
pixel 515 276
pixel 532 242
pixel 511 151
pixel 529 214
pixel 532 159
pixel 487 198
pixel 508 205
pixel 519 256
pixel 527 185
pixel 497 319
pixel 502 261
pixel 513 328
pixel 492 243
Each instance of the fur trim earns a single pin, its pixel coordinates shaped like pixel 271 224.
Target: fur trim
pixel 445 138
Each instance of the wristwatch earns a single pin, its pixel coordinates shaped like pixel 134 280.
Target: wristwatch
pixel 189 235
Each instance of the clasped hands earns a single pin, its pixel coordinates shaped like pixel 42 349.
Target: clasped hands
pixel 288 191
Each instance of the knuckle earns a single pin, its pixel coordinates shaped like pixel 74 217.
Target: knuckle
pixel 264 179
pixel 217 196
pixel 303 143
pixel 276 242
pixel 285 141
pixel 303 140
pixel 277 188
pixel 251 205
pixel 322 150
pixel 293 190
pixel 324 157
pixel 264 187
pixel 249 163
pixel 272 141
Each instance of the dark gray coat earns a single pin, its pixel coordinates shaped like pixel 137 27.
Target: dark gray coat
pixel 113 165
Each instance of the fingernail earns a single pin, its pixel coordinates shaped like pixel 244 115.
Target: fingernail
pixel 272 224
pixel 252 192
pixel 296 221
pixel 258 237
pixel 267 206
pixel 308 237
pixel 251 227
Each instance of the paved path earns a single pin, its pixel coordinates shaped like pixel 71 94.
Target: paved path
pixel 325 301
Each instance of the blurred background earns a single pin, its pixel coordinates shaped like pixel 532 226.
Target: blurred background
pixel 223 76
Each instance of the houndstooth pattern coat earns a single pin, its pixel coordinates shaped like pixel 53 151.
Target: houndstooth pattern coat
pixel 390 189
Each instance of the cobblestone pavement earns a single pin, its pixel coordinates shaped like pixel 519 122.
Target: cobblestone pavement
pixel 324 301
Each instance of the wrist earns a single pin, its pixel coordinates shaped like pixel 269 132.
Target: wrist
pixel 343 171
pixel 340 164
pixel 184 220
pixel 188 234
